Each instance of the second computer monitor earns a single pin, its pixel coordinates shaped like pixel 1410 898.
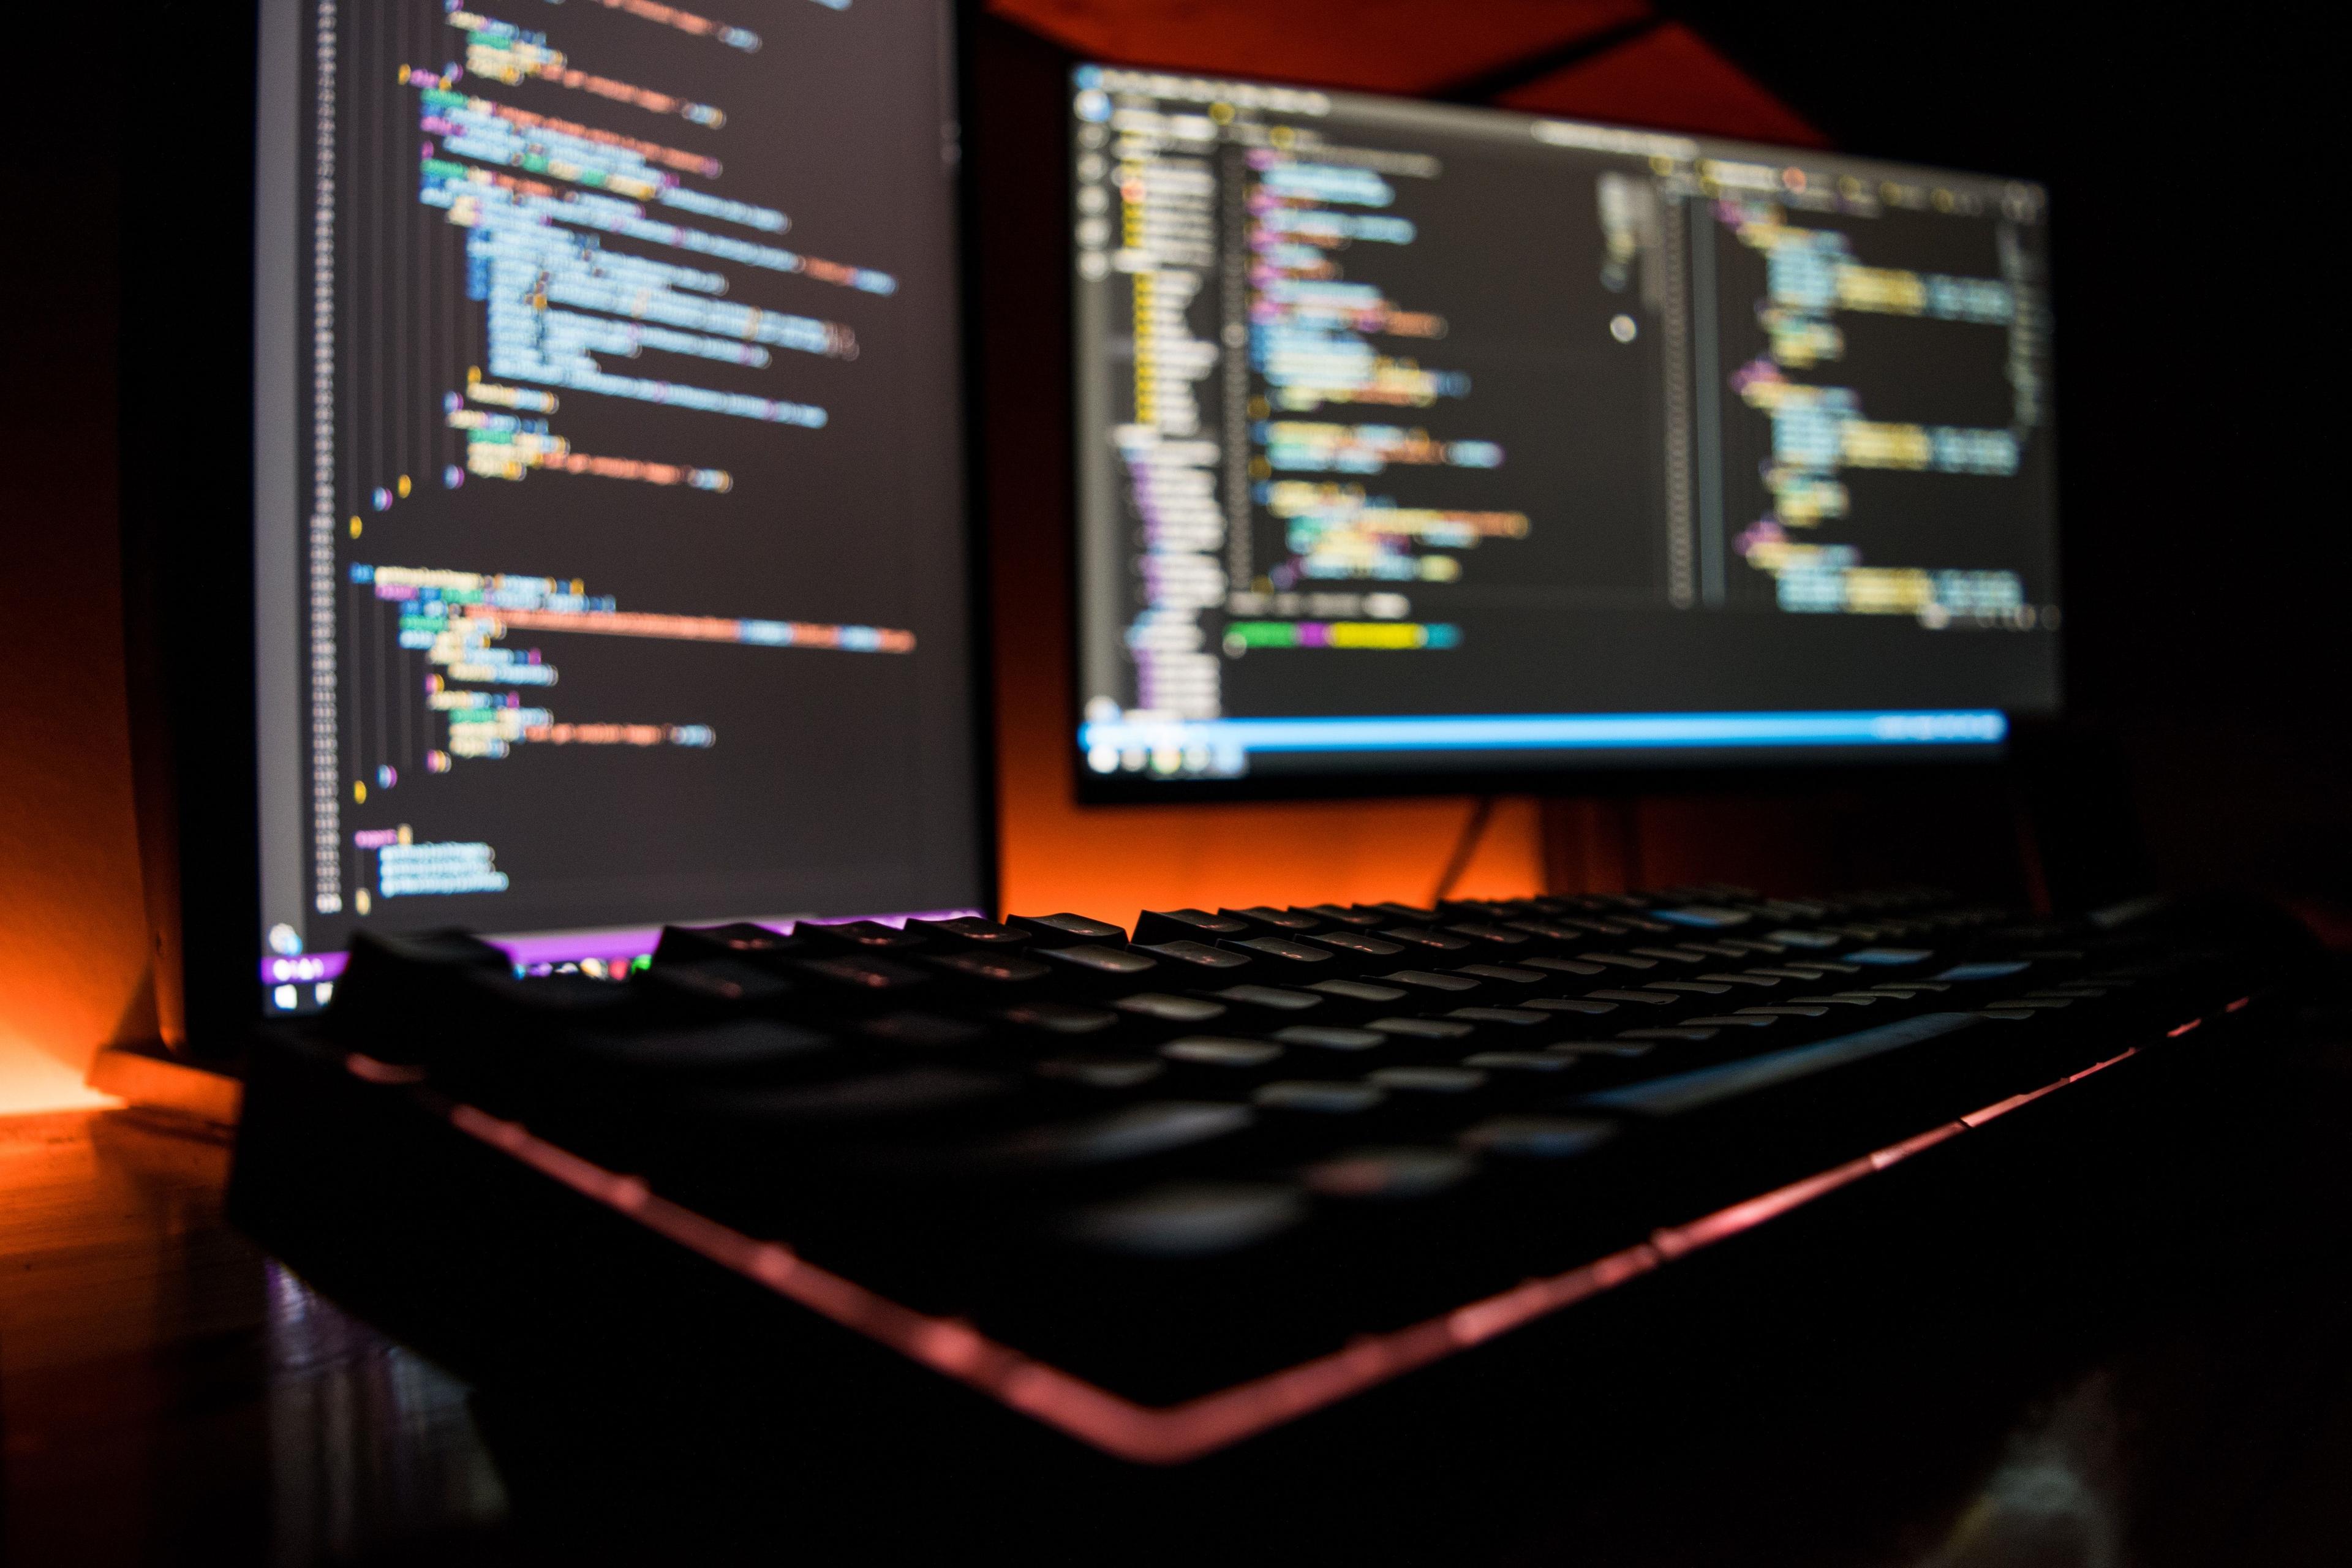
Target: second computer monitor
pixel 1425 441
pixel 609 511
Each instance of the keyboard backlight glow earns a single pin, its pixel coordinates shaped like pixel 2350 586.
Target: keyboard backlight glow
pixel 1170 1435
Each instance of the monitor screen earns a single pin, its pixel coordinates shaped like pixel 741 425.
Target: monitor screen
pixel 1424 441
pixel 609 528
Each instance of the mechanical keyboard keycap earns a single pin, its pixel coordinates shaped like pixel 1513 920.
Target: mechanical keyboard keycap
pixel 1710 1086
pixel 742 939
pixel 1593 927
pixel 1428 1080
pixel 970 930
pixel 1515 1017
pixel 1424 980
pixel 1538 1137
pixel 1095 968
pixel 1736 950
pixel 1168 1009
pixel 1200 960
pixel 1324 1037
pixel 1427 941
pixel 1060 1018
pixel 1338 915
pixel 1137 1133
pixel 858 984
pixel 914 1030
pixel 1101 1072
pixel 1316 1097
pixel 1517 1061
pixel 1185 925
pixel 1207 1050
pixel 1190 1219
pixel 726 983
pixel 1494 936
pixel 1261 920
pixel 1562 965
pixel 863 936
pixel 990 973
pixel 1366 951
pixel 401 982
pixel 1388 1173
pixel 1289 962
pixel 1065 929
pixel 1360 991
pixel 1549 931
pixel 1705 918
pixel 1422 1029
pixel 1268 1002
pixel 1508 975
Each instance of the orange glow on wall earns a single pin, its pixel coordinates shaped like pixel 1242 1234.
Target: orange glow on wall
pixel 1112 861
pixel 73 934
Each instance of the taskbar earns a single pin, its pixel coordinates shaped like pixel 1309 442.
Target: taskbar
pixel 1156 747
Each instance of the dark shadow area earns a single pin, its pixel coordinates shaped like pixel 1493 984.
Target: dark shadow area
pixel 2202 582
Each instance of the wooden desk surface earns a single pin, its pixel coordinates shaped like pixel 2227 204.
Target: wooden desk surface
pixel 168 1393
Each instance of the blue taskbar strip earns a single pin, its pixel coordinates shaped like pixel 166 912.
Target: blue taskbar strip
pixel 1221 747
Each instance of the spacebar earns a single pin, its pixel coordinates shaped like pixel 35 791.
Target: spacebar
pixel 1710 1086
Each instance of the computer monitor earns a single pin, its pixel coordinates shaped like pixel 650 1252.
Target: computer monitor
pixel 608 546
pixel 1419 444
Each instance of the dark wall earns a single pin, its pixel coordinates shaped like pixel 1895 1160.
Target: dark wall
pixel 2199 332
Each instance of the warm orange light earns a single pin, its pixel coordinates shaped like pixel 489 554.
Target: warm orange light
pixel 33 1080
pixel 1111 861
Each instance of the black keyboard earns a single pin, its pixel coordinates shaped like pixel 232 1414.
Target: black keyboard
pixel 1166 1190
